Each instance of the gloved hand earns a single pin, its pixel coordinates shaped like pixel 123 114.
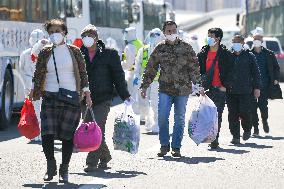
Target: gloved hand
pixel 135 81
pixel 195 89
pixel 129 101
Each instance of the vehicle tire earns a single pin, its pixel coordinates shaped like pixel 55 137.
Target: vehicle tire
pixel 6 101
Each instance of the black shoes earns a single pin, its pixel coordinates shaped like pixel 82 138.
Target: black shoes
pixel 265 126
pixel 103 163
pixel 176 152
pixel 163 151
pixel 51 170
pixel 246 135
pixel 236 141
pixel 255 131
pixel 63 173
pixel 214 144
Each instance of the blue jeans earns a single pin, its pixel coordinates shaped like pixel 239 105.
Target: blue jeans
pixel 164 108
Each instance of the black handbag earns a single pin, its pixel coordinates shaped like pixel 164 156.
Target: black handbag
pixel 275 92
pixel 65 95
pixel 207 78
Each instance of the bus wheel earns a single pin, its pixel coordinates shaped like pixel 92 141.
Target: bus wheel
pixel 6 101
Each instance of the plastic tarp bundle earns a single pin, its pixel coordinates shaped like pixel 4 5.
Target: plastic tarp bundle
pixel 203 123
pixel 126 135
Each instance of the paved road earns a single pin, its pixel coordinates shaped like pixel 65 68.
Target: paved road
pixel 258 163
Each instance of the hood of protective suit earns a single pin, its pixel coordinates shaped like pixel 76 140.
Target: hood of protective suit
pixel 35 36
pixel 130 34
pixel 154 37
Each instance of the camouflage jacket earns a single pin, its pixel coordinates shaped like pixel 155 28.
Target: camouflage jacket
pixel 178 68
pixel 41 70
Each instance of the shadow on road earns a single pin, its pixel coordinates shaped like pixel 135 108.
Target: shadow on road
pixel 52 185
pixel 269 137
pixel 230 151
pixel 253 145
pixel 110 175
pixel 192 160
pixel 11 132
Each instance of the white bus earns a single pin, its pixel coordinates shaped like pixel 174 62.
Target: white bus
pixel 111 17
pixel 19 17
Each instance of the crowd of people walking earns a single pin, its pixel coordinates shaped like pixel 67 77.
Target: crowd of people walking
pixel 151 77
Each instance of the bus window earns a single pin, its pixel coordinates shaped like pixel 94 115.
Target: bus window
pixel 4 10
pixel 56 9
pixel 98 13
pixel 152 15
pixel 115 14
pixel 73 8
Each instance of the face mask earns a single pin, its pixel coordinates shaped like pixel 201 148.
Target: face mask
pixel 211 41
pixel 257 43
pixel 172 37
pixel 237 47
pixel 88 41
pixel 56 38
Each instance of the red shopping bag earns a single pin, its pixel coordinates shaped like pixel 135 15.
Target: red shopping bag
pixel 28 125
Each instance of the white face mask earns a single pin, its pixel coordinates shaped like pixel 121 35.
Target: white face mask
pixel 56 38
pixel 172 37
pixel 257 43
pixel 88 41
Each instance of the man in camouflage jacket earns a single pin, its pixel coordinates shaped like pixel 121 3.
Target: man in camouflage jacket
pixel 178 69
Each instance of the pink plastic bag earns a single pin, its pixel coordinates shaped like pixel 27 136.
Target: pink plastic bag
pixel 88 136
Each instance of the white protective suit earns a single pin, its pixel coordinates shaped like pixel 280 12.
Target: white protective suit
pixel 27 67
pixel 149 106
pixel 191 39
pixel 130 54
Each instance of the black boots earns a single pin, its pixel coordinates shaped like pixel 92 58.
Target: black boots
pixel 51 170
pixel 63 173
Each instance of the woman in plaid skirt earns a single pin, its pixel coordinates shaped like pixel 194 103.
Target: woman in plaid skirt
pixel 60 72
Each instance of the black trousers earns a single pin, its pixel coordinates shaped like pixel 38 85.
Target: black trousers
pixel 100 112
pixel 239 107
pixel 48 148
pixel 262 104
pixel 219 98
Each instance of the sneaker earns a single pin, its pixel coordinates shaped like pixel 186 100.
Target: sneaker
pixel 163 151
pixel 265 126
pixel 256 131
pixel 246 135
pixel 90 168
pixel 176 152
pixel 214 144
pixel 236 141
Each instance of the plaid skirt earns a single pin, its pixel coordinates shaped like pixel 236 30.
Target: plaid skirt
pixel 58 118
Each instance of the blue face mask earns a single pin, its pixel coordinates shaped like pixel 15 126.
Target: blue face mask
pixel 237 47
pixel 211 41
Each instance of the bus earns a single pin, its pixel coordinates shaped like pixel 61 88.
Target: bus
pixel 19 17
pixel 111 17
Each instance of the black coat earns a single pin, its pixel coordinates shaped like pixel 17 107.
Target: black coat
pixel 245 75
pixel 225 63
pixel 272 65
pixel 105 73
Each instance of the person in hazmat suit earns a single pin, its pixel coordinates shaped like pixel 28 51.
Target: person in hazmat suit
pixel 27 66
pixel 128 58
pixel 148 107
